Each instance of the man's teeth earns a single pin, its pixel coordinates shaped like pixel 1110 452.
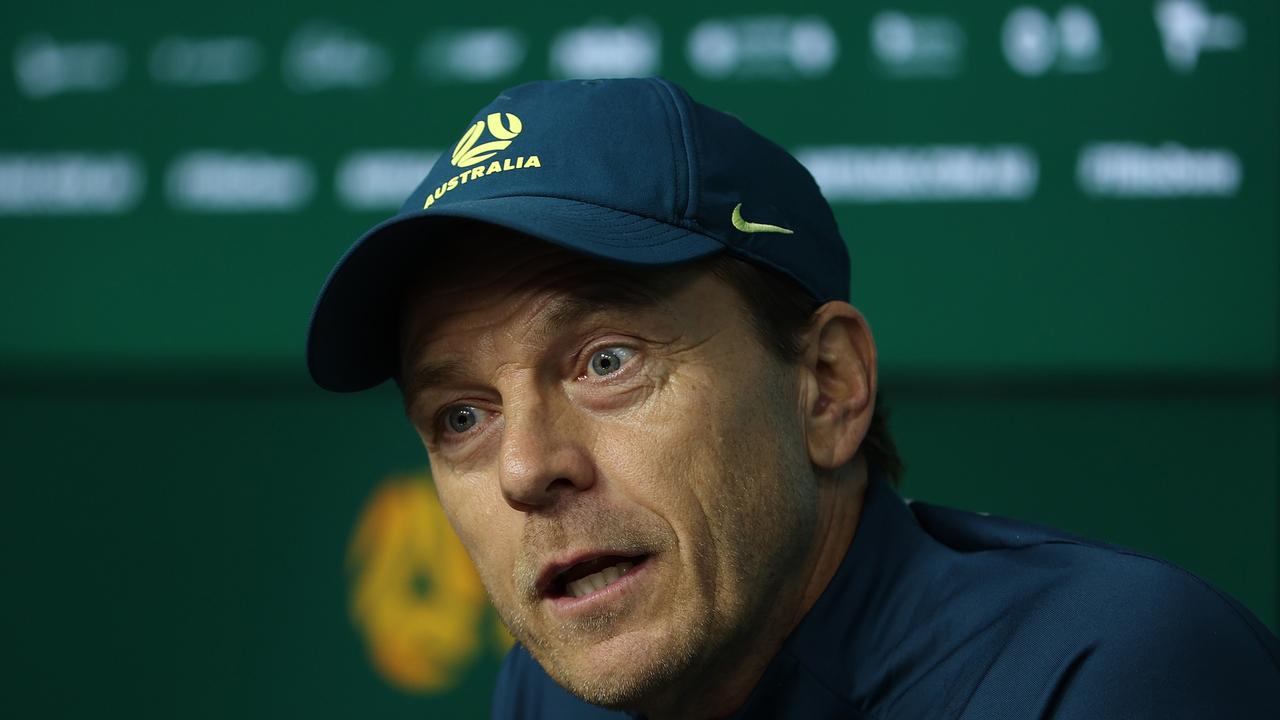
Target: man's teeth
pixel 598 581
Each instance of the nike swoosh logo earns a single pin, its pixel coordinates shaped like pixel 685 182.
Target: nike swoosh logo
pixel 747 226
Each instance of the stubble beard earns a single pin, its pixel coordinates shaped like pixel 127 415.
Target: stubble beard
pixel 698 640
pixel 770 495
pixel 554 645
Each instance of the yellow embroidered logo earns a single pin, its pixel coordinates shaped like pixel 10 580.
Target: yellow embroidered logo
pixel 469 152
pixel 466 152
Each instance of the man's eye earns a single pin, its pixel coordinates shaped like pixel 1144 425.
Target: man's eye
pixel 610 360
pixel 461 418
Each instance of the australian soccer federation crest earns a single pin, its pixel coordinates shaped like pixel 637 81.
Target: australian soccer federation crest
pixel 414 594
pixel 470 153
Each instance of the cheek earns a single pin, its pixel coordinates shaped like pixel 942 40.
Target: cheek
pixel 653 445
pixel 699 413
pixel 672 455
pixel 712 440
pixel 489 535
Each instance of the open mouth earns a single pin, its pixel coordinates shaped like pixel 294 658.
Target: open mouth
pixel 587 576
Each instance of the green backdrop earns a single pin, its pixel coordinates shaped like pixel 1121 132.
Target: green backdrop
pixel 1062 218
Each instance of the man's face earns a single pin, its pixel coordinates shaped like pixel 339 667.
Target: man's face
pixel 625 463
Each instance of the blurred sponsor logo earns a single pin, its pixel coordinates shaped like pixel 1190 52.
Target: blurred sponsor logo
pixel 69 183
pixel 217 181
pixel 197 62
pixel 1134 170
pixel 602 49
pixel 1187 28
pixel 381 179
pixel 321 56
pixel 414 594
pixel 1035 43
pixel 773 46
pixel 930 173
pixel 44 67
pixel 472 55
pixel 916 45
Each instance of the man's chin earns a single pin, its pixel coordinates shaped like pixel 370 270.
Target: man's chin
pixel 621 671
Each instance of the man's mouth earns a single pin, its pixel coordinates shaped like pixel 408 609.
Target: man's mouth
pixel 584 575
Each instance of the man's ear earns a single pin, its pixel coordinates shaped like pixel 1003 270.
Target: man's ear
pixel 838 387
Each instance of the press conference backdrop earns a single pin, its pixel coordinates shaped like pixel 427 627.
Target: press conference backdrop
pixel 1063 224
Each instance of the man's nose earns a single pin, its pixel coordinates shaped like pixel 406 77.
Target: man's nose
pixel 543 457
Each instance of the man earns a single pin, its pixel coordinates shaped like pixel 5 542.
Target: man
pixel 619 321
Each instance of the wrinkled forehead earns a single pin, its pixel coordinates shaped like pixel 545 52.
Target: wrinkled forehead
pixel 501 273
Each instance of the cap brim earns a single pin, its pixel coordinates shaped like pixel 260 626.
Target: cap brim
pixel 352 339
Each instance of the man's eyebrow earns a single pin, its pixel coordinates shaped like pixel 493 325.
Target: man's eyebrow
pixel 429 375
pixel 604 294
pixel 599 295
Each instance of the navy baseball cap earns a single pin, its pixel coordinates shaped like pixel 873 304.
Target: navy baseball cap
pixel 628 170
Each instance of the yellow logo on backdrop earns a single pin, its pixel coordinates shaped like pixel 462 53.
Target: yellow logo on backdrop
pixel 471 152
pixel 414 593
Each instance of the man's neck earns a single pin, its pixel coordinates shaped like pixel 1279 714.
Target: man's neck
pixel 840 500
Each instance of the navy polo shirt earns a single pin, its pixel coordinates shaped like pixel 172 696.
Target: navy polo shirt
pixel 940 613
